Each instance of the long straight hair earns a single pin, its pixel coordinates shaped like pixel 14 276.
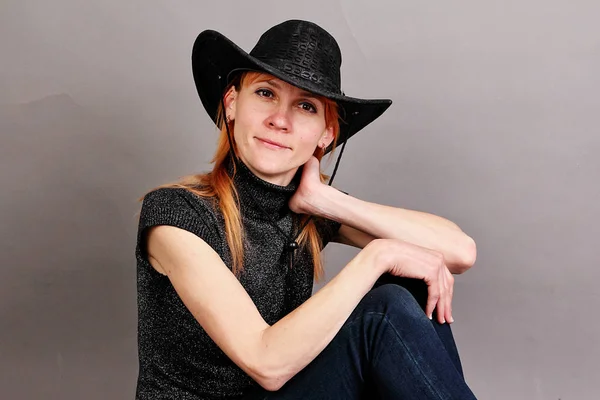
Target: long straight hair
pixel 217 184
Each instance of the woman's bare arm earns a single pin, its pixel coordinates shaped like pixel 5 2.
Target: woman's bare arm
pixel 363 221
pixel 271 355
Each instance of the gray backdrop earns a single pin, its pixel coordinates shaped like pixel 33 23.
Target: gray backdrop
pixel 494 126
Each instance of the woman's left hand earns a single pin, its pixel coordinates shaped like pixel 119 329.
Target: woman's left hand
pixel 309 192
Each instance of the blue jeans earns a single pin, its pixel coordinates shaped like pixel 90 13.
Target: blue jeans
pixel 387 349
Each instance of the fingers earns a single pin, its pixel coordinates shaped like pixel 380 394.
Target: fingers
pixel 450 294
pixel 437 297
pixel 442 293
pixel 442 305
pixel 433 296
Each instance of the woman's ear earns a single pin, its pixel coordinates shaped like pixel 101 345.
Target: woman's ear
pixel 230 102
pixel 326 138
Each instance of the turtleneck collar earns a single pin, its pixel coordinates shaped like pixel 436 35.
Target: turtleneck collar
pixel 252 190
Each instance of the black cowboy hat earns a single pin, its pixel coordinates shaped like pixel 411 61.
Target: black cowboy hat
pixel 298 52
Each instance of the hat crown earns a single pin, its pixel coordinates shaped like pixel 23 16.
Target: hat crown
pixel 304 50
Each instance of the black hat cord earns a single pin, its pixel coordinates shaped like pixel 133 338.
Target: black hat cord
pixel 292 245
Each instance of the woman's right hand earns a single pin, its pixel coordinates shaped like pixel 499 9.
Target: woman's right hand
pixel 408 260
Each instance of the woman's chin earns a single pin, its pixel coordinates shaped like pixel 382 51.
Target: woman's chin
pixel 268 161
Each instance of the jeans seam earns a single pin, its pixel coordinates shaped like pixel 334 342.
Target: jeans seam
pixel 408 352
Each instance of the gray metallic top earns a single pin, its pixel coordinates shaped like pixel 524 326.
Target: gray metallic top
pixel 177 359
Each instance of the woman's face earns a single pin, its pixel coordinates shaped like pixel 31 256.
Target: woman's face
pixel 277 127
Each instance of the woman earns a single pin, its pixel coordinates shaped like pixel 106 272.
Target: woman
pixel 226 259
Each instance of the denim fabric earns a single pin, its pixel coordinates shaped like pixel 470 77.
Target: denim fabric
pixel 387 349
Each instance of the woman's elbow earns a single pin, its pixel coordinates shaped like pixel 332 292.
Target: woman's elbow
pixel 272 383
pixel 469 255
pixel 271 379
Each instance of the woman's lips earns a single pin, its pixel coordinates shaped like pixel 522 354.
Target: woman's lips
pixel 272 145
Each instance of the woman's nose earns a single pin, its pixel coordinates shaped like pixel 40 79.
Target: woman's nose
pixel 279 119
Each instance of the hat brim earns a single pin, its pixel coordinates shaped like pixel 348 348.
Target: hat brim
pixel 215 57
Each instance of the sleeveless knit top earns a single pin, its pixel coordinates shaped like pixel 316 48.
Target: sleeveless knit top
pixel 177 359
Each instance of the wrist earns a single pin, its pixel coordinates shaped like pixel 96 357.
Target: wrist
pixel 316 200
pixel 328 203
pixel 374 257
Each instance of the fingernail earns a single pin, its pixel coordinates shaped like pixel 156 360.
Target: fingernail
pixel 443 321
pixel 451 319
pixel 430 316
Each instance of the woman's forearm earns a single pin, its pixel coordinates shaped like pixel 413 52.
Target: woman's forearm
pixel 387 222
pixel 294 341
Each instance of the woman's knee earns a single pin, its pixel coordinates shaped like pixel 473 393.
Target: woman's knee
pixel 392 298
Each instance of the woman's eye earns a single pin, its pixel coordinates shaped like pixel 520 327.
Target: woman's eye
pixel 264 93
pixel 308 107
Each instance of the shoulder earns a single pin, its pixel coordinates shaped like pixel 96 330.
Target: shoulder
pixel 178 207
pixel 176 201
pixel 172 197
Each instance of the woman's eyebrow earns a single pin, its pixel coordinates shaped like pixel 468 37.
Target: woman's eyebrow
pixel 303 93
